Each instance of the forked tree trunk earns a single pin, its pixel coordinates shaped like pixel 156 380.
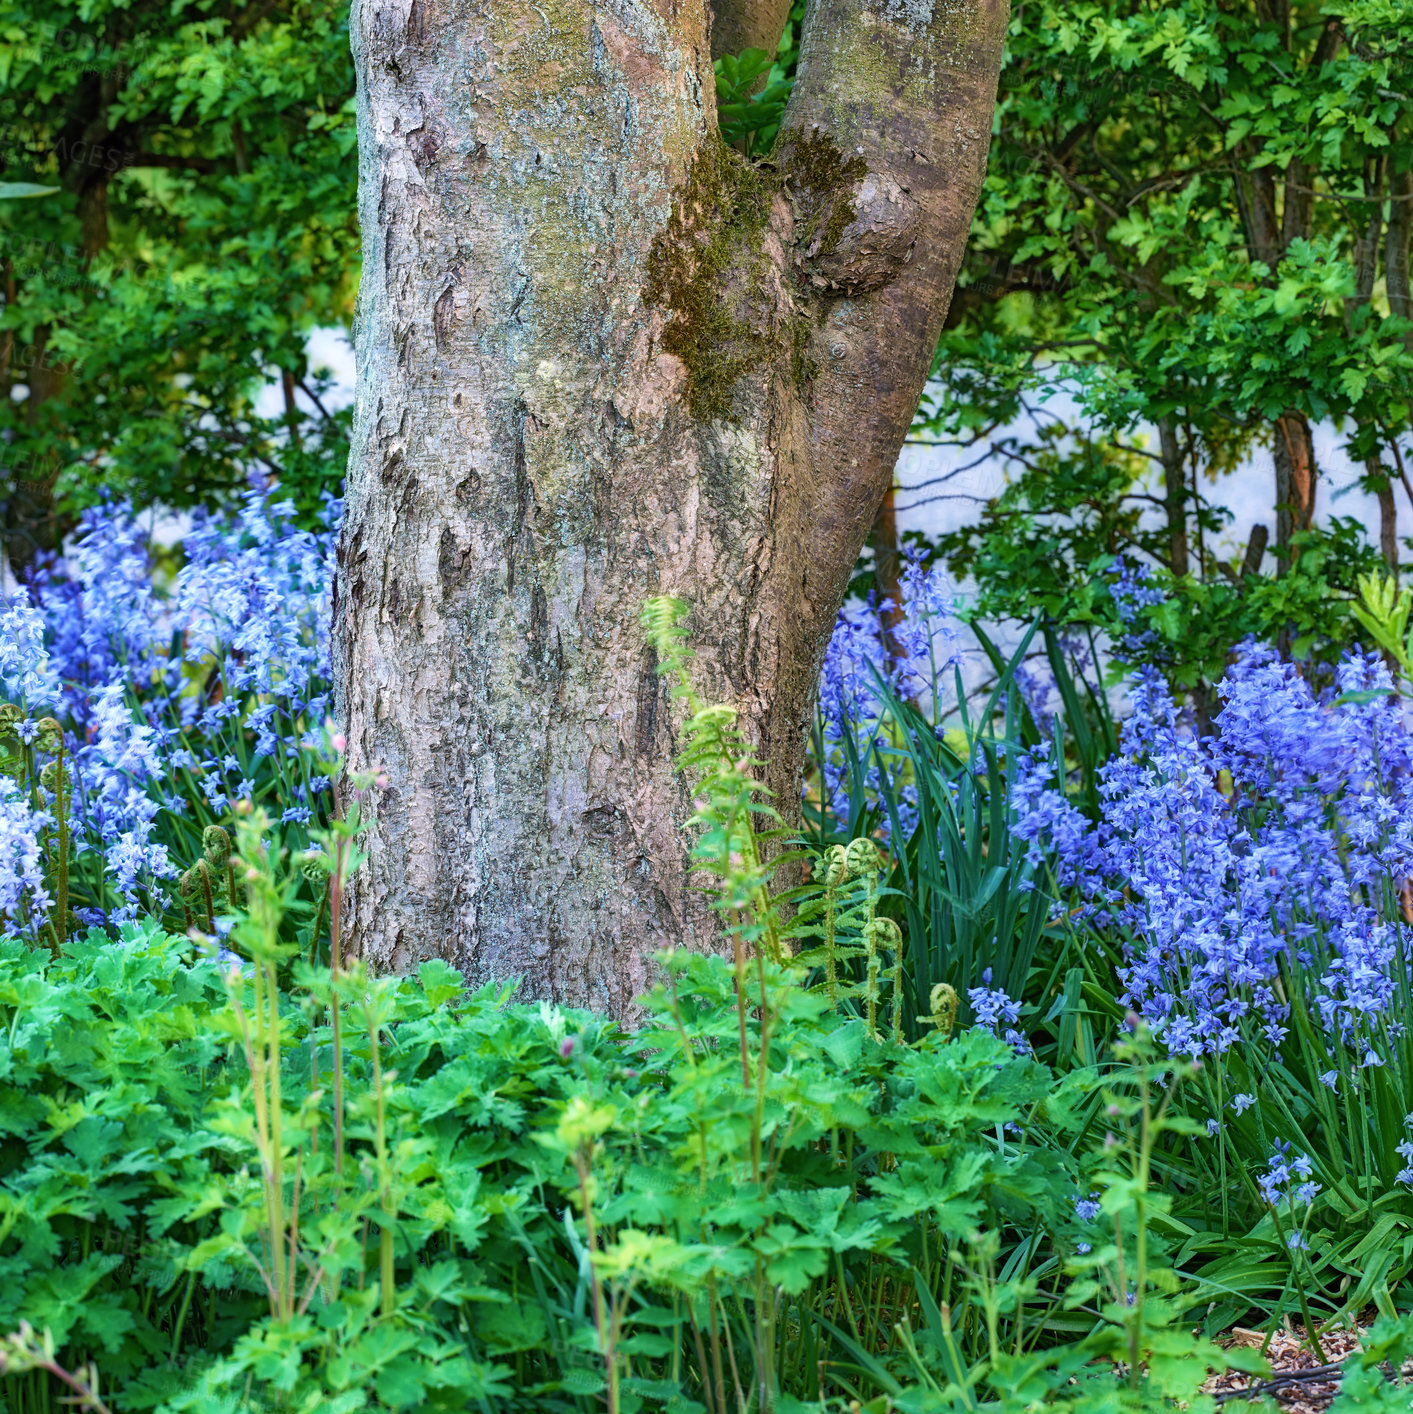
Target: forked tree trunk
pixel 601 358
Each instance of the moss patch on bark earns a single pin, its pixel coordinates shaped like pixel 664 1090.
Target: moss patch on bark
pixel 719 218
pixel 707 264
pixel 816 167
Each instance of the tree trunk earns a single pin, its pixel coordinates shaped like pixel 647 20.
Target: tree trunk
pixel 1268 238
pixel 1366 266
pixel 1400 224
pixel 887 566
pixel 738 25
pixel 32 523
pixel 601 357
pixel 1388 514
pixel 1174 496
pixel 1293 448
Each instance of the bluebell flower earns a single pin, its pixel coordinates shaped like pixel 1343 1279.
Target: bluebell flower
pixel 1087 1209
pixel 858 666
pixel 24 897
pixel 1267 848
pixel 992 1006
pixel 27 674
pixel 154 682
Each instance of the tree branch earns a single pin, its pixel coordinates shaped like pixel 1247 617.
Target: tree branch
pixel 892 109
pixel 738 25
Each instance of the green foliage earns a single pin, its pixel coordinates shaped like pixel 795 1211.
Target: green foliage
pixel 750 119
pixel 181 1204
pixel 1027 561
pixel 1183 226
pixel 752 90
pixel 201 169
pixel 1383 612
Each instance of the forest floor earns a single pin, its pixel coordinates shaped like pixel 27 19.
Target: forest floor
pixel 1295 1381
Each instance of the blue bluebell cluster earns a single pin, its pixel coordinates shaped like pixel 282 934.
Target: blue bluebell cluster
pixel 998 1012
pixel 178 699
pixel 911 660
pixel 1277 848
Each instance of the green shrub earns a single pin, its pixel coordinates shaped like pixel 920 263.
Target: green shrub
pixel 528 1166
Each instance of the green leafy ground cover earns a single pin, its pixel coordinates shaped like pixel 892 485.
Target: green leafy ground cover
pixel 257 1181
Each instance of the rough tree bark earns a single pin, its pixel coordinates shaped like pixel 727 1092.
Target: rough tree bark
pixel 738 25
pixel 600 358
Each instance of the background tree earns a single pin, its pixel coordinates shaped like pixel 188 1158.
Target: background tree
pixel 602 355
pixel 1194 219
pixel 205 222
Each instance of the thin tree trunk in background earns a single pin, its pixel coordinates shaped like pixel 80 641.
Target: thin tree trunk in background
pixel 887 563
pixel 600 358
pixel 7 336
pixel 1366 265
pixel 1400 302
pixel 292 418
pixel 1269 236
pixel 32 524
pixel 1294 451
pixel 1174 496
pixel 1388 515
pixel 1255 551
pixel 1396 248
